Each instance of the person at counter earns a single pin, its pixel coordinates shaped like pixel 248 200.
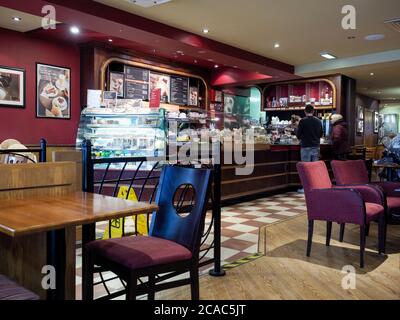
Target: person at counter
pixel 309 133
pixel 340 135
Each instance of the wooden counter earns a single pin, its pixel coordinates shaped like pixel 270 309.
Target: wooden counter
pixel 274 171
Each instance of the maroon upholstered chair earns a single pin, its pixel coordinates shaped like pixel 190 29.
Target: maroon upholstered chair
pixel 9 290
pixel 351 204
pixel 355 172
pixel 172 246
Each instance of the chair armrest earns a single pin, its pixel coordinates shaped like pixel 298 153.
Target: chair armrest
pixel 343 205
pixel 389 188
pixel 369 192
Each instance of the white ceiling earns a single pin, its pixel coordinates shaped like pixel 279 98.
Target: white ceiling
pixel 302 28
pixel 29 22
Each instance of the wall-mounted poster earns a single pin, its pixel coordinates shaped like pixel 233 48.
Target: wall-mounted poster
pixel 360 127
pixel 117 83
pixel 376 122
pixel 53 92
pixel 193 96
pixel 218 96
pixel 360 112
pixel 161 81
pixel 12 87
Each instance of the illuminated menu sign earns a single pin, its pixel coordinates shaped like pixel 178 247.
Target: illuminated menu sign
pixel 136 83
pixel 179 90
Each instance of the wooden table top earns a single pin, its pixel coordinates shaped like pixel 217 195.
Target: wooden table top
pixel 386 165
pixel 41 214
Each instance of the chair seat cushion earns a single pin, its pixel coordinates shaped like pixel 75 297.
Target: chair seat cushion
pixel 373 211
pixel 139 251
pixel 9 290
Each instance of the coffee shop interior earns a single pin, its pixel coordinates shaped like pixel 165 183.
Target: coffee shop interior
pixel 100 99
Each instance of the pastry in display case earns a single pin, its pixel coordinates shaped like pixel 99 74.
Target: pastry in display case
pixel 123 132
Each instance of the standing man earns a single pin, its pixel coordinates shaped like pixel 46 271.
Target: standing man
pixel 309 133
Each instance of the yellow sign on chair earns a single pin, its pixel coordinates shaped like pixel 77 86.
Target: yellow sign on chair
pixel 117 225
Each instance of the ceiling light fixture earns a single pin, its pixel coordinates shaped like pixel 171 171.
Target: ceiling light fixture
pixel 216 66
pixel 110 40
pixel 17 19
pixel 374 37
pixel 205 31
pixel 74 30
pixel 276 45
pixel 372 74
pixel 327 55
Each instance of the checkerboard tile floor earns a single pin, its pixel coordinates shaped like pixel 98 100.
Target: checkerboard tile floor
pixel 240 226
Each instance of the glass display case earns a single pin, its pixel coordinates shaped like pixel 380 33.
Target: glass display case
pixel 123 133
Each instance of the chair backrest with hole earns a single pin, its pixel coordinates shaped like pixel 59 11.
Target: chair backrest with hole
pixel 181 183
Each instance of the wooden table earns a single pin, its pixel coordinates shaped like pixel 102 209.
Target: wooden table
pixel 52 215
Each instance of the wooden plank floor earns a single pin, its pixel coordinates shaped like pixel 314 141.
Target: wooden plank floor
pixel 286 273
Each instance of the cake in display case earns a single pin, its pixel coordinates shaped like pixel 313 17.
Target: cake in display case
pixel 125 132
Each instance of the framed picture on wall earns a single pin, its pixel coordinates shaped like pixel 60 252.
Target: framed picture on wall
pixel 376 122
pixel 117 83
pixel 193 96
pixel 360 127
pixel 53 91
pixel 360 113
pixel 12 87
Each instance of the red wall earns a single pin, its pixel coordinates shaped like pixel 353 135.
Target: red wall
pixel 22 51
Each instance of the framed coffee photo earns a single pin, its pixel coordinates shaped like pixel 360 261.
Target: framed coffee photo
pixel 12 87
pixel 53 91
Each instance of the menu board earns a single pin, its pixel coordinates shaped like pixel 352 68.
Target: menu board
pixel 179 90
pixel 136 83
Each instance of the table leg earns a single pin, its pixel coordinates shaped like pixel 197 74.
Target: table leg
pixel 56 257
pixel 88 235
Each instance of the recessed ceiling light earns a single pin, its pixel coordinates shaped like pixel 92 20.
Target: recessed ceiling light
pixel 216 66
pixel 17 19
pixel 372 74
pixel 327 55
pixel 276 45
pixel 195 61
pixel 205 30
pixel 374 37
pixel 211 60
pixel 110 40
pixel 74 30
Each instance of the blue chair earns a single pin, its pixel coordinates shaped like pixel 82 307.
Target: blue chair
pixel 173 243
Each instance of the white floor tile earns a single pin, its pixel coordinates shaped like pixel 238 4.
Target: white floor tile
pixel 266 220
pixel 248 237
pixel 242 227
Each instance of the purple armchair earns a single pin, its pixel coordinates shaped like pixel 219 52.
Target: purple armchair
pixel 351 204
pixel 355 172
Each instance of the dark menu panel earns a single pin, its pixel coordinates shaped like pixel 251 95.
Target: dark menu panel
pixel 179 90
pixel 136 83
